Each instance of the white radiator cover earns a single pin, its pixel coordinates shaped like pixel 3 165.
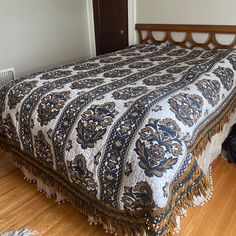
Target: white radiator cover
pixel 6 75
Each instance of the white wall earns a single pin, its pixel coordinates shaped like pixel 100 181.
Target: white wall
pixel 187 11
pixel 37 34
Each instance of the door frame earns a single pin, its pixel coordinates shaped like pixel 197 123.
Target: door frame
pixel 131 25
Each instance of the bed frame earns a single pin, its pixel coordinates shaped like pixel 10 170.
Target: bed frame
pixel 54 181
pixel 188 42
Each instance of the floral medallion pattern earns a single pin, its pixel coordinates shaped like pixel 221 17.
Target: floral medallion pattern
pixel 86 66
pixel 80 174
pixel 94 122
pixel 120 140
pixel 10 129
pixel 138 65
pixel 129 92
pixel 158 80
pixel 159 146
pixel 110 60
pixel 226 76
pixel 138 197
pixel 51 105
pixel 19 91
pixel 87 83
pixel 43 149
pixel 148 49
pixel 128 169
pixel 210 90
pixel 187 108
pixel 160 58
pixel 117 73
pixel 178 52
pixel 130 54
pixel 196 62
pixel 232 60
pixel 177 69
pixel 55 74
pixel 209 54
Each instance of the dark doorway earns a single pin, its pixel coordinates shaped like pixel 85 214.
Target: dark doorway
pixel 111 25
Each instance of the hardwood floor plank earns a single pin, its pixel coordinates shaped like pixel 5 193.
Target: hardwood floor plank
pixel 21 205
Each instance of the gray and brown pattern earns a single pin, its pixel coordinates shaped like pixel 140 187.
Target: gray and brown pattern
pixel 93 124
pixel 87 83
pixel 10 130
pixel 117 73
pixel 159 79
pixel 138 197
pixel 130 92
pixel 177 69
pixel 139 65
pixel 111 148
pixel 210 90
pixel 187 108
pixel 226 76
pixel 51 105
pixel 86 66
pixel 19 91
pixel 43 149
pixel 80 174
pixel 159 146
pixel 55 74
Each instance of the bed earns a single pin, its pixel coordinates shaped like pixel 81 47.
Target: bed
pixel 127 137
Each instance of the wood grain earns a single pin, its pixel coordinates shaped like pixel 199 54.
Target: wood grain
pixel 188 42
pixel 21 205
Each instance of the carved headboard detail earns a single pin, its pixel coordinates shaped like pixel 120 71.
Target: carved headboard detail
pixel 188 41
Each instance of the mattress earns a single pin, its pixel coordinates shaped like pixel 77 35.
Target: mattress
pixel 123 136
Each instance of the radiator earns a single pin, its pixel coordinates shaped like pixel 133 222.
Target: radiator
pixel 6 75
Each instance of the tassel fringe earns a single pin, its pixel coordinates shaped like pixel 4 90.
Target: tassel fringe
pixel 111 224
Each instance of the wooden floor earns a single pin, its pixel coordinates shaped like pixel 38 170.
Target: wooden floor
pixel 21 205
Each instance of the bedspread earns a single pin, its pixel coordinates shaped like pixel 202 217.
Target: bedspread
pixel 122 131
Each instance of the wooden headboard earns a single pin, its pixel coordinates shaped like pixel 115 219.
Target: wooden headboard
pixel 188 41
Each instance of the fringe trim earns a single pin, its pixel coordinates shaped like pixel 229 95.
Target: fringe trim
pixel 205 134
pixel 115 225
pixel 202 189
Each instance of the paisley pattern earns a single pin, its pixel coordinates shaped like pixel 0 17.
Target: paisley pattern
pixel 19 91
pixel 129 92
pixel 51 105
pixel 117 128
pixel 187 108
pixel 210 90
pixel 226 76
